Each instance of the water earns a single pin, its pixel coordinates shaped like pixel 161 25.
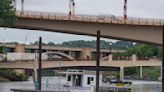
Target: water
pixel 53 84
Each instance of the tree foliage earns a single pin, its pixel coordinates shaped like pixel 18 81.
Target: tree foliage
pixel 11 75
pixel 142 51
pixel 7 14
pixel 90 44
pixel 145 50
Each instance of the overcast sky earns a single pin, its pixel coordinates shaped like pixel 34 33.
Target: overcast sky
pixel 136 8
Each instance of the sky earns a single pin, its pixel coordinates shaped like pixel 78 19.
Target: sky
pixel 136 8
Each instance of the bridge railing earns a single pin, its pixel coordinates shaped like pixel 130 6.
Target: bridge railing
pixel 90 18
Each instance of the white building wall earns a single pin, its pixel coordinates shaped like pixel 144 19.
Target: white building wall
pixel 85 80
pixel 70 83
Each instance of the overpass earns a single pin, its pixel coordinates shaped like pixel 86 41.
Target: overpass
pixel 118 65
pixel 57 64
pixel 77 53
pixel 133 29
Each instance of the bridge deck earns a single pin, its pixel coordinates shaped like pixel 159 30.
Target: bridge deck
pixel 55 64
pixel 90 18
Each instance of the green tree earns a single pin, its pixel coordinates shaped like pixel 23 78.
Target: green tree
pixel 7 14
pixel 1 49
pixel 145 50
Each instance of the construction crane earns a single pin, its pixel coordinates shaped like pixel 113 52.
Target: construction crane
pixel 71 7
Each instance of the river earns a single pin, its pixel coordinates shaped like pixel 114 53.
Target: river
pixel 54 82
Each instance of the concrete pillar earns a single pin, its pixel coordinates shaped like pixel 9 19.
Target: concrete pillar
pixel 121 73
pixel 101 55
pixel 20 48
pixel 35 72
pixel 110 57
pixel 161 74
pixel 18 71
pixel 70 53
pixel 141 75
pixel 134 57
pixel 86 54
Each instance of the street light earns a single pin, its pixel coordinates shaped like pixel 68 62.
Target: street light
pixel 110 48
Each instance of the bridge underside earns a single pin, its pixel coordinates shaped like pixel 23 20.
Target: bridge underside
pixel 90 68
pixel 140 33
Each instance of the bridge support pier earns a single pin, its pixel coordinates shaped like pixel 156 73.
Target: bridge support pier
pixel 35 78
pixel 35 72
pixel 141 75
pixel 70 53
pixel 121 73
pixel 160 78
pixel 110 57
pixel 134 58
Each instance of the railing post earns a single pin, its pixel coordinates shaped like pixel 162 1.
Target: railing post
pixel 97 61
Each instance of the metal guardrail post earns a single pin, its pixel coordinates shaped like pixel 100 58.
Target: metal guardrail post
pixel 97 61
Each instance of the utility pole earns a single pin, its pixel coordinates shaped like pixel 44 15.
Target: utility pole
pixel 163 61
pixel 40 65
pixel 22 6
pixel 98 61
pixel 71 7
pixel 14 5
pixel 125 10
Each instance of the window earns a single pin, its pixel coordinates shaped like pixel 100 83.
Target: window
pixel 69 78
pixel 89 80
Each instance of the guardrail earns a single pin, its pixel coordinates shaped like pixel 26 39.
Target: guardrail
pixel 23 90
pixel 90 18
pixel 115 89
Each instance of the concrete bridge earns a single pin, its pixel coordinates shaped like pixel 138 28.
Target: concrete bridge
pixel 77 53
pixel 118 65
pixel 133 29
pixel 57 64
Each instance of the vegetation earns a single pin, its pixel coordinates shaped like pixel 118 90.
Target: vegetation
pixel 1 49
pixel 7 15
pixel 11 75
pixel 90 44
pixel 149 73
pixel 142 51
